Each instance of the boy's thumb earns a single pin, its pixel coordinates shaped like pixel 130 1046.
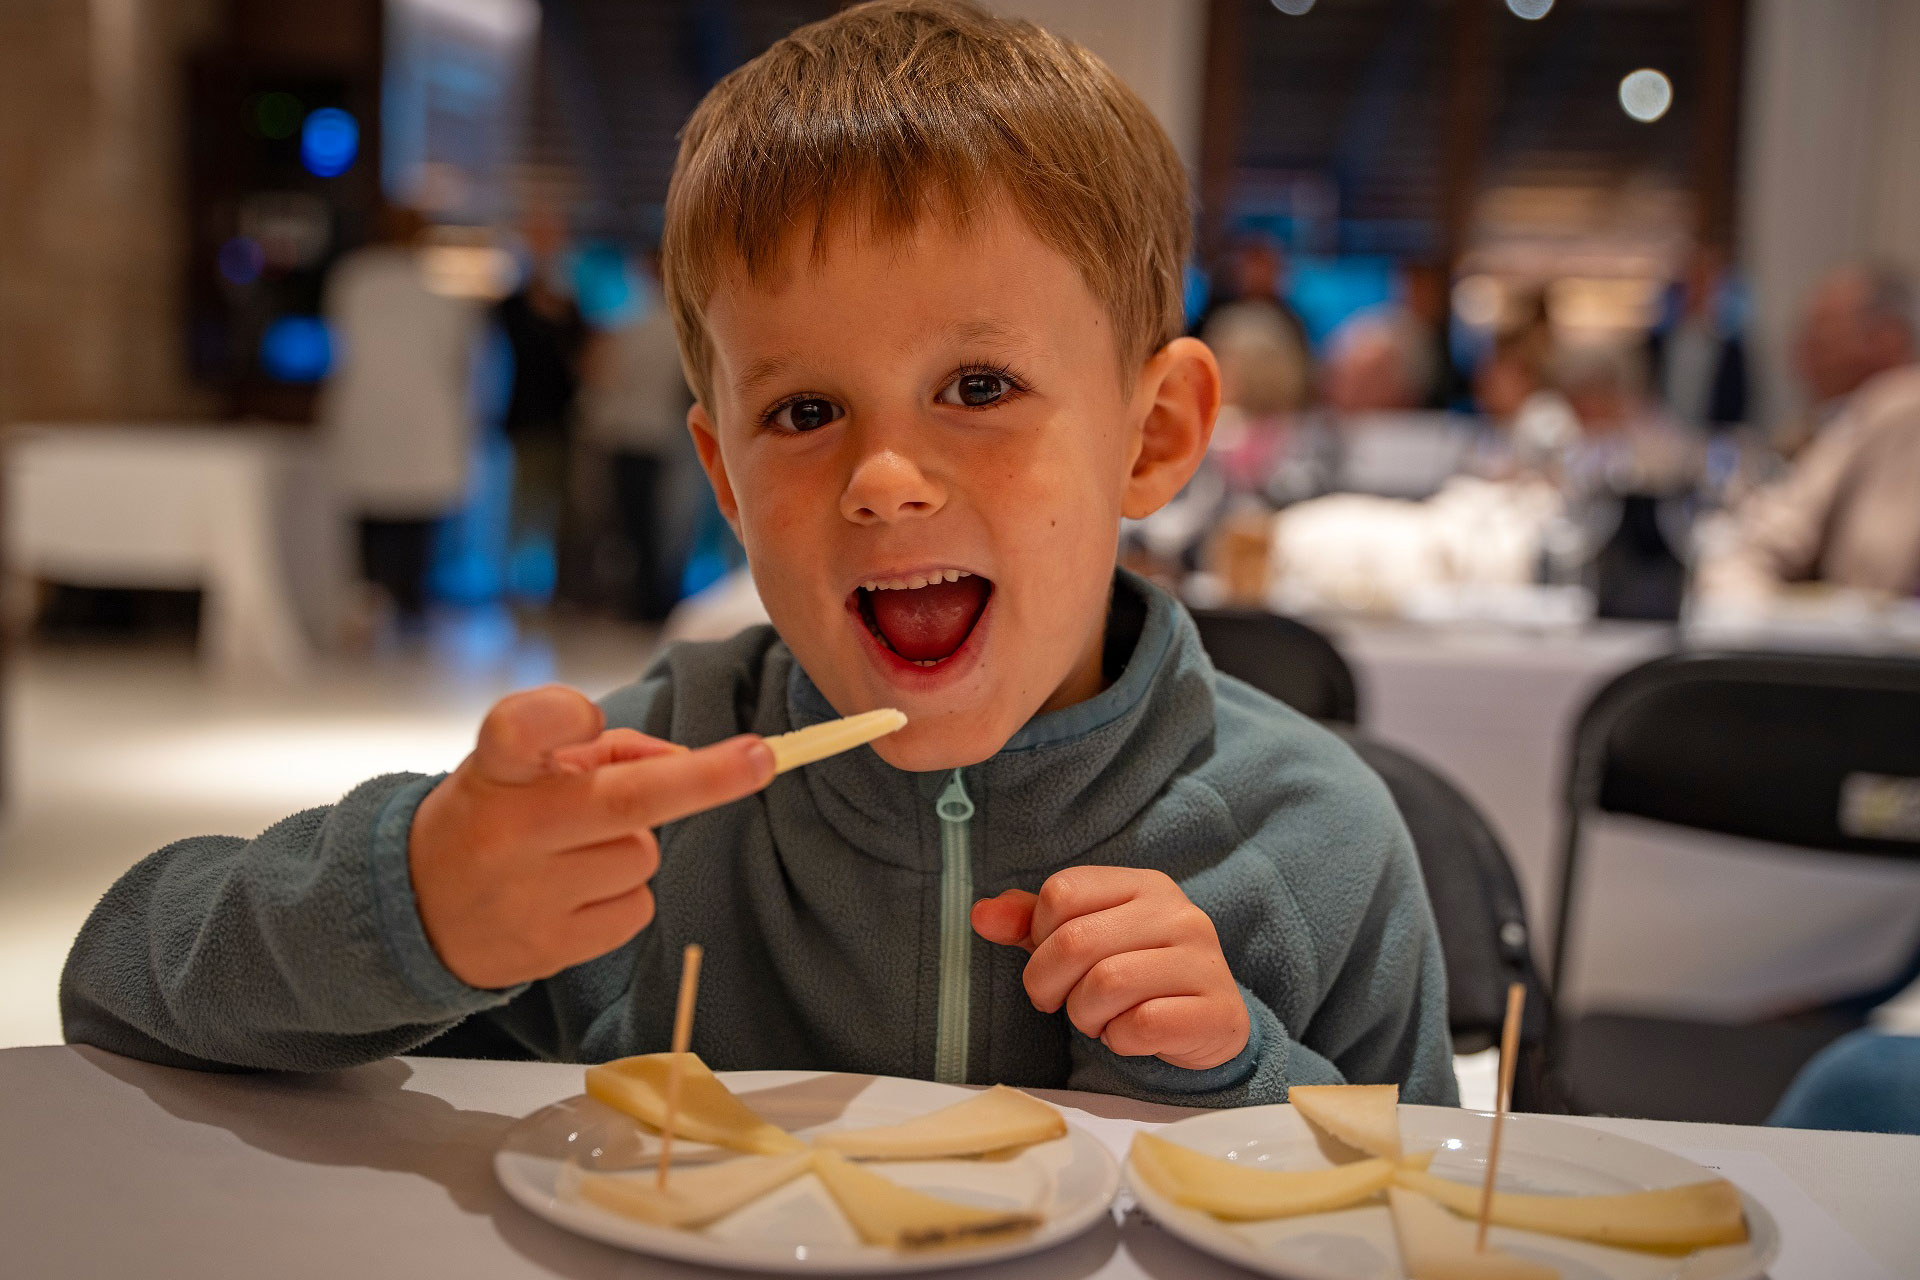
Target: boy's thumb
pixel 522 731
pixel 1007 919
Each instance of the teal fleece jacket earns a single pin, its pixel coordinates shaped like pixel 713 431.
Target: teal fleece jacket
pixel 833 905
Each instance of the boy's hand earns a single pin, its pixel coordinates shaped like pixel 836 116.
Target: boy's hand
pixel 1136 964
pixel 535 853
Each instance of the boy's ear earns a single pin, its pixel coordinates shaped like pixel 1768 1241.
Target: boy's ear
pixel 1181 384
pixel 706 442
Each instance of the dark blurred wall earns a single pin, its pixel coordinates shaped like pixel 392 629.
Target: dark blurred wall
pixel 96 213
pixel 91 208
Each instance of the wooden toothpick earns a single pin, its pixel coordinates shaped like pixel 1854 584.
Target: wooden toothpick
pixel 1509 1046
pixel 682 1037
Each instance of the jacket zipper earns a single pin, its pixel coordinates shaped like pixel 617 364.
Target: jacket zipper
pixel 956 931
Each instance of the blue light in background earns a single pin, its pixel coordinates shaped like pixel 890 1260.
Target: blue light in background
pixel 605 287
pixel 296 349
pixel 329 141
pixel 241 260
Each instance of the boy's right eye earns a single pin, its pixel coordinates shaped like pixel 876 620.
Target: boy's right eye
pixel 807 414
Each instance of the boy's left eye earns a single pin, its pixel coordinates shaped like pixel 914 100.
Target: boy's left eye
pixel 973 390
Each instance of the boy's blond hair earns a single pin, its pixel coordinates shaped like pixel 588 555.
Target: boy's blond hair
pixel 901 109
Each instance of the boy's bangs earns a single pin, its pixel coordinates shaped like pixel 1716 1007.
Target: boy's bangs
pixel 891 113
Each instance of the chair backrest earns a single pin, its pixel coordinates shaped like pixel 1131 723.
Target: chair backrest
pixel 1815 750
pixel 1478 909
pixel 1283 658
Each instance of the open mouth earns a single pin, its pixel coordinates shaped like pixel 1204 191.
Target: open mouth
pixel 924 618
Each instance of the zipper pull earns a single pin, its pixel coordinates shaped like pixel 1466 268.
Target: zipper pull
pixel 954 805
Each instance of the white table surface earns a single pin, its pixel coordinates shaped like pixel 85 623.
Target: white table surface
pixel 110 1167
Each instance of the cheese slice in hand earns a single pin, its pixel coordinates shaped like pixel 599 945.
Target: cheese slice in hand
pixel 886 1213
pixel 1239 1194
pixel 990 1121
pixel 1690 1217
pixel 708 1112
pixel 1435 1245
pixel 694 1196
pixel 818 741
pixel 1364 1116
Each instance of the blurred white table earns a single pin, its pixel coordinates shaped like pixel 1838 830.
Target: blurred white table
pixel 115 1167
pixel 1667 917
pixel 241 512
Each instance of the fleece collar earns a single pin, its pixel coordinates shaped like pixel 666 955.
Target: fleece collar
pixel 1068 781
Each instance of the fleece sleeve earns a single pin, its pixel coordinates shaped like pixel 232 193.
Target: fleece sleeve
pixel 300 949
pixel 1338 959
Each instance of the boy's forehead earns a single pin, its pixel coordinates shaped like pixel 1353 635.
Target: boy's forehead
pixel 986 280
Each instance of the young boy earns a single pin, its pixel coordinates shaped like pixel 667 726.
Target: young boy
pixel 925 266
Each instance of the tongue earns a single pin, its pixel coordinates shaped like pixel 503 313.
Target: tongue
pixel 929 623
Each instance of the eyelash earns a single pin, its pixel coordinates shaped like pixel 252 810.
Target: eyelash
pixel 1015 389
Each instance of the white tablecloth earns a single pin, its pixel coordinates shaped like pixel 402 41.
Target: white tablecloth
pixel 243 513
pixel 116 1168
pixel 1670 920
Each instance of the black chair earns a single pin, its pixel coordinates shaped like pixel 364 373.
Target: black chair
pixel 1283 658
pixel 1815 751
pixel 1482 920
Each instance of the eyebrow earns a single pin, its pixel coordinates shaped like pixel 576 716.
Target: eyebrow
pixel 763 370
pixel 768 368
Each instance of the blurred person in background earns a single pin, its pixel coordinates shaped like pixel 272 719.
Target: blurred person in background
pixel 1628 443
pixel 395 412
pixel 1696 356
pixel 1424 293
pixel 1266 378
pixel 1847 513
pixel 634 403
pixel 1254 272
pixel 1858 323
pixel 1378 374
pixel 1530 423
pixel 548 337
pixel 1378 360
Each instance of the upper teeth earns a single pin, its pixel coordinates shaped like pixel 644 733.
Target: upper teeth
pixel 914 581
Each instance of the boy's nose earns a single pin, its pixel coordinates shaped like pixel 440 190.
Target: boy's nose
pixel 886 486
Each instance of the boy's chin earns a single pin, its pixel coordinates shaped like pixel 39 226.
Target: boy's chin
pixel 948 743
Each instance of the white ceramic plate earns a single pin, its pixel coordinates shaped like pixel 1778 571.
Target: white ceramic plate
pixel 1071 1180
pixel 1537 1155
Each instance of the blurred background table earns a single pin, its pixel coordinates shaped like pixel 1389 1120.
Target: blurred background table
pixel 1666 922
pixel 118 1167
pixel 243 514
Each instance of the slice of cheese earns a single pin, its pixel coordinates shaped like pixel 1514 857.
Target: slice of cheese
pixel 694 1196
pixel 818 741
pixel 886 1213
pixel 1364 1116
pixel 1237 1193
pixel 707 1112
pixel 990 1121
pixel 1690 1217
pixel 1435 1245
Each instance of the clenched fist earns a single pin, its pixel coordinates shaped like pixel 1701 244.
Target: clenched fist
pixel 1136 965
pixel 534 855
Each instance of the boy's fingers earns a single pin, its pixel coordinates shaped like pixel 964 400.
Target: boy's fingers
pixel 1005 919
pixel 599 927
pixel 523 730
pixel 1120 982
pixel 648 793
pixel 1080 891
pixel 1164 1025
pixel 1070 951
pixel 608 869
pixel 614 746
